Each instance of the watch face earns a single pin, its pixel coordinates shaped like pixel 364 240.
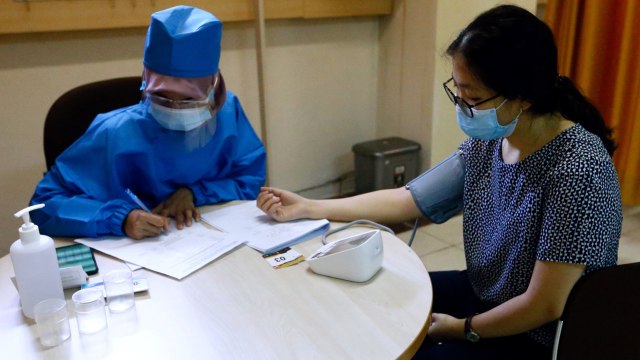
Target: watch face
pixel 472 336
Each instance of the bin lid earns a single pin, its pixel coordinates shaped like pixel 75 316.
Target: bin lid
pixel 385 147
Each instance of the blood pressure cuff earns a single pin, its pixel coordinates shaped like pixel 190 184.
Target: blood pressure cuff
pixel 438 191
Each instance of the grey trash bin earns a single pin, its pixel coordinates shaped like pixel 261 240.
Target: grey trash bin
pixel 385 163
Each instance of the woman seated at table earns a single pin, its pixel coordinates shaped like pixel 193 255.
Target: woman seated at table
pixel 537 187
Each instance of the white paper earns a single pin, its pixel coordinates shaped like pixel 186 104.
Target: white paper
pixel 245 222
pixel 133 267
pixel 176 253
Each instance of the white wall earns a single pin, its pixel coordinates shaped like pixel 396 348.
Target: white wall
pixel 406 74
pixel 320 88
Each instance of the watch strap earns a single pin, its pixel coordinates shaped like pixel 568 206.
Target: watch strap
pixel 469 334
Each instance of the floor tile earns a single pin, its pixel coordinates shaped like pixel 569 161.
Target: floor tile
pixel 449 258
pixel 440 246
pixel 629 249
pixel 423 243
pixel 450 231
pixel 631 221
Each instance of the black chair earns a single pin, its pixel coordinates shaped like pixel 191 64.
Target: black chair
pixel 601 319
pixel 70 115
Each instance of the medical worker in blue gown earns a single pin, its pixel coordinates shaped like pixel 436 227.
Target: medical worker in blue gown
pixel 187 143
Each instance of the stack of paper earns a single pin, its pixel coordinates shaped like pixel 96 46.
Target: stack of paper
pixel 176 253
pixel 245 222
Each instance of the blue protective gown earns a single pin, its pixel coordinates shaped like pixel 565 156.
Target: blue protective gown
pixel 84 192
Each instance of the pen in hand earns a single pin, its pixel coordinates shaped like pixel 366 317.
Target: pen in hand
pixel 140 203
pixel 136 200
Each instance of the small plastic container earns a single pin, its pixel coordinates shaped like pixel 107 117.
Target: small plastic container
pixel 52 320
pixel 118 286
pixel 88 304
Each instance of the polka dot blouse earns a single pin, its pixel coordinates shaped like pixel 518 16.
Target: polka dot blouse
pixel 562 204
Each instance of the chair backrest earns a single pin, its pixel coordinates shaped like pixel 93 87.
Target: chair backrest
pixel 72 113
pixel 601 319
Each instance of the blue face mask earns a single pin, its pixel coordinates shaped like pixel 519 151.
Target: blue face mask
pixel 180 119
pixel 484 124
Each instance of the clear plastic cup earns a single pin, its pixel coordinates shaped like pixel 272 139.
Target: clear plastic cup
pixel 118 286
pixel 88 305
pixel 52 320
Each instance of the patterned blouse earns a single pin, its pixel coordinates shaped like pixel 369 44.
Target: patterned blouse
pixel 561 203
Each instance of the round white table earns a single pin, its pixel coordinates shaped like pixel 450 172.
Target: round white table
pixel 239 307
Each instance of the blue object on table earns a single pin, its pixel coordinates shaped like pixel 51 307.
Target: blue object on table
pixel 137 200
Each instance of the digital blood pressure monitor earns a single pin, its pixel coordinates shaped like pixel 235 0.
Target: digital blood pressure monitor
pixel 355 258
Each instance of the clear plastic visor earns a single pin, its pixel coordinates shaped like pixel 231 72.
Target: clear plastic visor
pixel 176 104
pixel 191 123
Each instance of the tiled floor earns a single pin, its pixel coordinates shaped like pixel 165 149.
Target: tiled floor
pixel 440 246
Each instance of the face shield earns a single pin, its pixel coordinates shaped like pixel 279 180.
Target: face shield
pixel 194 120
pixel 179 115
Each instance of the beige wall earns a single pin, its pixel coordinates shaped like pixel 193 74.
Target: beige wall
pixel 320 90
pixel 329 84
pixel 406 73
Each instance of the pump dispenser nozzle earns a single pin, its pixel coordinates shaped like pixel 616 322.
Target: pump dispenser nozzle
pixel 28 231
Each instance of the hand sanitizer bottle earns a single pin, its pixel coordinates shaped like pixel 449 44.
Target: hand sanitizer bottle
pixel 35 264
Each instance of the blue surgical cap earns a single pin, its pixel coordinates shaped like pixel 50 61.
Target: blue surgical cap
pixel 183 41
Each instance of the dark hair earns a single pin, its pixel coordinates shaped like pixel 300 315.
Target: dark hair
pixel 513 52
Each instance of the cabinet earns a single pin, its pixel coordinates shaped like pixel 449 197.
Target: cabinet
pixel 27 16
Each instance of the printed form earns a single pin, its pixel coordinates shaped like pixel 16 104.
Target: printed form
pixel 245 222
pixel 176 253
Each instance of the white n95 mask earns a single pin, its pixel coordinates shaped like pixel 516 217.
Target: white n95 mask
pixel 179 119
pixel 179 115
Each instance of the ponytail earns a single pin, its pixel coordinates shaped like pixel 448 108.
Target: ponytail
pixel 573 105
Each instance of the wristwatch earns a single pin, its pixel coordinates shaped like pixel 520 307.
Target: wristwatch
pixel 468 331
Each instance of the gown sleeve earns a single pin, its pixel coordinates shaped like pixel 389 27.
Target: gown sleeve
pixel 248 171
pixel 71 189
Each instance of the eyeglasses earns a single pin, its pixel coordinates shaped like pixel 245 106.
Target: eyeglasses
pixel 176 104
pixel 466 108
